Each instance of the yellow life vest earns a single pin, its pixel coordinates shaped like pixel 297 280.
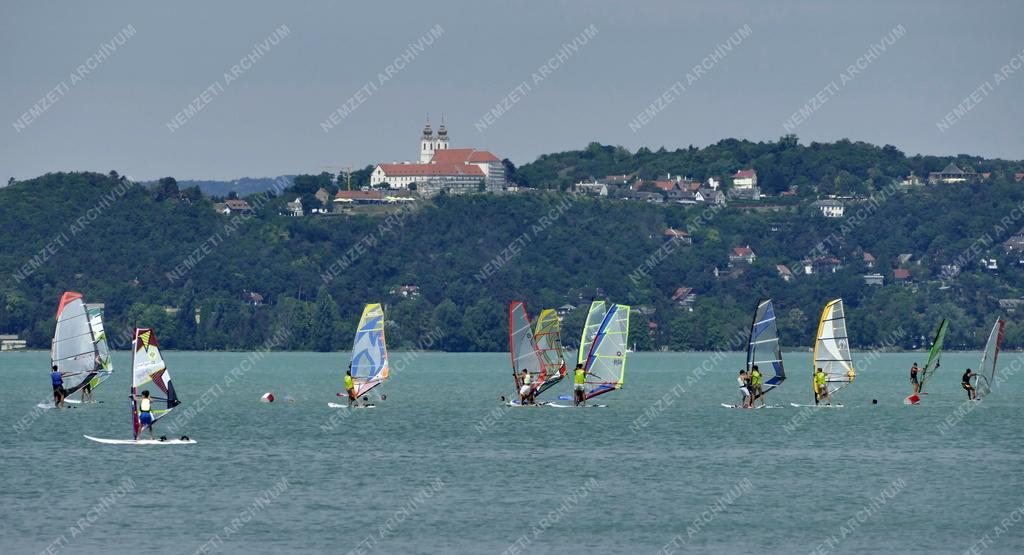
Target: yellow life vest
pixel 580 377
pixel 144 405
pixel 348 382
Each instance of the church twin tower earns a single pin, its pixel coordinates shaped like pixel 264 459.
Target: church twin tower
pixel 429 145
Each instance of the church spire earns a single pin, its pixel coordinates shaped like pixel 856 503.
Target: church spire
pixel 428 133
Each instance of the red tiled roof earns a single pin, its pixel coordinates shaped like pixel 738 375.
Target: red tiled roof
pixel 901 273
pixel 783 269
pixel 431 169
pixel 463 156
pixel 665 185
pixel 237 204
pixel 743 251
pixel 868 257
pixel 744 174
pixel 693 186
pixel 681 293
pixel 357 195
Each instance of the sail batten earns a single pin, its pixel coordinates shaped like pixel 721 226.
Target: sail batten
pixel 369 362
pixel 832 348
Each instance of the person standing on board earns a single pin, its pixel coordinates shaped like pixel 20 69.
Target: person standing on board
pixel 821 387
pixel 525 388
pixel 744 390
pixel 579 378
pixel 755 386
pixel 57 380
pixel 146 413
pixel 913 379
pixel 350 386
pixel 965 382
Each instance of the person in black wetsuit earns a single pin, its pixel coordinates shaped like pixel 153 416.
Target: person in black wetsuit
pixel 965 382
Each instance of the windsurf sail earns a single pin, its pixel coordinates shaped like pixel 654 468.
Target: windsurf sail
pixel 595 316
pixel 986 374
pixel 548 338
pixel 79 348
pixel 525 355
pixel 149 367
pixel 832 348
pixel 369 351
pixel 763 348
pixel 934 355
pixel 606 361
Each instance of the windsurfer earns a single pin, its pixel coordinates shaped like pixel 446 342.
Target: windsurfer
pixel 744 390
pixel 57 380
pixel 821 387
pixel 350 386
pixel 525 388
pixel 755 386
pixel 965 382
pixel 578 379
pixel 913 379
pixel 146 413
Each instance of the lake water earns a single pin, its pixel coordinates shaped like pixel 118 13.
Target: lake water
pixel 441 467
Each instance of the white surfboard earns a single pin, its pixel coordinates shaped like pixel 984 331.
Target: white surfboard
pixel 141 441
pixel 817 406
pixel 587 406
pixel 345 406
pixel 754 408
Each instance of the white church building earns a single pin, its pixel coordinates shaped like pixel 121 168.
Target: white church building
pixel 439 167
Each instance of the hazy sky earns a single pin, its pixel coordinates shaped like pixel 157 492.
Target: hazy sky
pixel 267 118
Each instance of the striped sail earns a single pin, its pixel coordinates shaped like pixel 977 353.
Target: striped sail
pixel 763 346
pixel 524 352
pixel 984 379
pixel 606 362
pixel 547 336
pixel 79 348
pixel 935 354
pixel 832 348
pixel 369 351
pixel 595 316
pixel 148 367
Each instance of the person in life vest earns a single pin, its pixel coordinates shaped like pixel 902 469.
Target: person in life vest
pixel 755 386
pixel 965 383
pixel 525 388
pixel 579 378
pixel 821 387
pixel 57 381
pixel 350 386
pixel 146 413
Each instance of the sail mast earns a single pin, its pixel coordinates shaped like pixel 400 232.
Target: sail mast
pixel 832 348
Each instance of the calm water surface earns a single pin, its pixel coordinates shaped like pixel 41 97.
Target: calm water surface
pixel 440 467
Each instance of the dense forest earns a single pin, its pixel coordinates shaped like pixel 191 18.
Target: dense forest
pixel 159 255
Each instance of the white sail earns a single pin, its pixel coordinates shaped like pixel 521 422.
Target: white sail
pixel 595 316
pixel 79 348
pixel 606 362
pixel 832 348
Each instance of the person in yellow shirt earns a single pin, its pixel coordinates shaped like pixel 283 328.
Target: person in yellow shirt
pixel 579 379
pixel 755 386
pixel 350 386
pixel 821 387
